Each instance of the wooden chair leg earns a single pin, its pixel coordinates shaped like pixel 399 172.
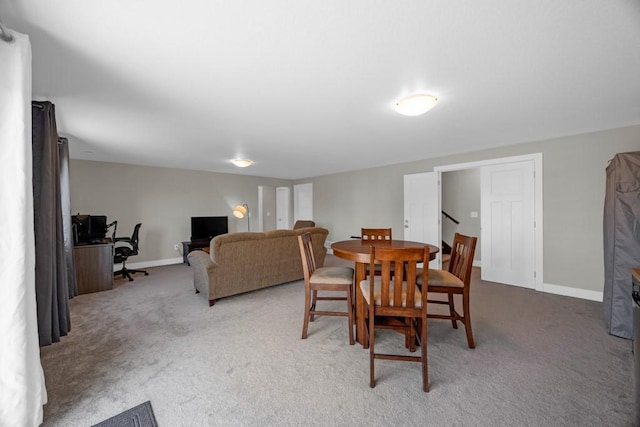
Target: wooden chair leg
pixel 371 334
pixel 313 305
pixel 411 338
pixel 365 322
pixel 350 314
pixel 425 360
pixel 467 320
pixel 307 302
pixel 452 312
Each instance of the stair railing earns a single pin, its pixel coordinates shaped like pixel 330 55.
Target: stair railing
pixel 446 215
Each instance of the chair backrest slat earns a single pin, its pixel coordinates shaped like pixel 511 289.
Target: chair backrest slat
pixel 376 233
pixel 306 253
pixel 461 261
pixel 399 267
pixel 386 280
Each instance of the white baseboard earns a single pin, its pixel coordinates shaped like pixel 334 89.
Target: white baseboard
pixel 547 287
pixel 327 244
pixel 147 264
pixel 572 292
pixel 563 290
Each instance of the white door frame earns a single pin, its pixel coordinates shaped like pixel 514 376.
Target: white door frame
pixel 538 193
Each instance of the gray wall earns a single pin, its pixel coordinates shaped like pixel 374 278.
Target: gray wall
pixel 460 197
pixel 574 182
pixel 162 199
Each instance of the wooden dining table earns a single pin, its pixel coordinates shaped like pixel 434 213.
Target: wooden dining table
pixel 359 251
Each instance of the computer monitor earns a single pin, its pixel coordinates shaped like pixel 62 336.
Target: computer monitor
pixel 98 228
pixel 81 229
pixel 88 229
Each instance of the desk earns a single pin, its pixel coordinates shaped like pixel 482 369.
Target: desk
pixel 359 251
pixel 94 267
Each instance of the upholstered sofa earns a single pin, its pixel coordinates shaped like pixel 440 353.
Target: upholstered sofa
pixel 243 262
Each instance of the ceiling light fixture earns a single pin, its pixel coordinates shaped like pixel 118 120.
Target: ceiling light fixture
pixel 242 163
pixel 414 105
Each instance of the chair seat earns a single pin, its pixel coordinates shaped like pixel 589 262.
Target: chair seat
pixel 124 251
pixel 442 278
pixel 332 276
pixel 377 285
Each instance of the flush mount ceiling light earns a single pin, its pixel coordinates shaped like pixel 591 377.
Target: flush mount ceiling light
pixel 242 163
pixel 414 105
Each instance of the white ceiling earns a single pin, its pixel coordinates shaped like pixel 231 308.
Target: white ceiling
pixel 306 88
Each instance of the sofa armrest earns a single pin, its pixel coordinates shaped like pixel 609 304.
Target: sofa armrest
pixel 203 268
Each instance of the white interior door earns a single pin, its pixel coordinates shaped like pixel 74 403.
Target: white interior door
pixel 422 210
pixel 508 223
pixel 283 195
pixel 303 201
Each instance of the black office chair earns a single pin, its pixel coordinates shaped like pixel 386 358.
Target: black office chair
pixel 113 226
pixel 122 253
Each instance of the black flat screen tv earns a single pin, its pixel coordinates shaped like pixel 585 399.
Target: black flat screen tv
pixel 208 227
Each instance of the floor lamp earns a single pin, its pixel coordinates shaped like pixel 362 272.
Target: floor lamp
pixel 241 211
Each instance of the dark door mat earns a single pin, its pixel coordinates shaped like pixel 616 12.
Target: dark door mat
pixel 138 416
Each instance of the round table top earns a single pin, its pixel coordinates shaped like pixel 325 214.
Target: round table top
pixel 359 250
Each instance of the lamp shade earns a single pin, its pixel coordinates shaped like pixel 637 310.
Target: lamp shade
pixel 240 211
pixel 414 105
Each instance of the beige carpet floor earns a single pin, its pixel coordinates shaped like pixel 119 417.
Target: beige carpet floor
pixel 541 360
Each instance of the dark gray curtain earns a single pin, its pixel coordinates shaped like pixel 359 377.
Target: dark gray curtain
pixel 55 276
pixel 65 199
pixel 621 241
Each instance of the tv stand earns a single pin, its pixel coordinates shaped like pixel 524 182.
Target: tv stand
pixel 189 246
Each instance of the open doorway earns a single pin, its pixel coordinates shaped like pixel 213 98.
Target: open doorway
pixel 461 209
pixel 302 202
pixel 510 218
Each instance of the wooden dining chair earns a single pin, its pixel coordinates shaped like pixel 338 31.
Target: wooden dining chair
pixel 455 280
pixel 324 279
pixel 376 233
pixel 394 301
